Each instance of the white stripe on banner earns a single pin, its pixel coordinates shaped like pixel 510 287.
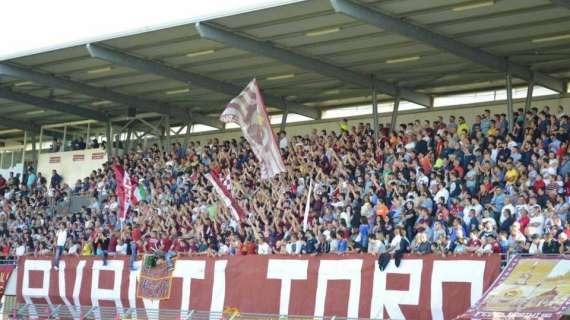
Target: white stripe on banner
pixel 227 201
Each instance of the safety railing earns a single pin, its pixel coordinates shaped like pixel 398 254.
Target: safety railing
pixel 36 311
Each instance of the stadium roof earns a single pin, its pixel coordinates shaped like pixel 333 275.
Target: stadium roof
pixel 306 56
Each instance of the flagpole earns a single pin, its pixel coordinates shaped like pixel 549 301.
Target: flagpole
pixel 307 207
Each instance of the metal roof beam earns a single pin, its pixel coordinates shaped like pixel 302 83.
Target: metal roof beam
pixel 433 39
pixel 51 105
pixel 313 64
pixel 102 93
pixel 562 3
pixel 15 124
pixel 149 66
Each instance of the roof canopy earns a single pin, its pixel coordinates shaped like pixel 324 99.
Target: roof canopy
pixel 306 56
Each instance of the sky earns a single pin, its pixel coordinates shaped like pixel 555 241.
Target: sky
pixel 33 26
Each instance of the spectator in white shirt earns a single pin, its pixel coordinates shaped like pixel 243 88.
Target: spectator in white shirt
pixel 263 247
pixel 536 223
pixel 20 250
pixel 283 141
pixel 121 249
pixel 61 239
pixel 536 245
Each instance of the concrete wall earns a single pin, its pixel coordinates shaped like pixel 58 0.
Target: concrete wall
pixel 468 111
pixel 72 165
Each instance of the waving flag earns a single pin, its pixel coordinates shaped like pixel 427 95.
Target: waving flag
pixel 124 190
pixel 307 207
pixel 229 201
pixel 248 111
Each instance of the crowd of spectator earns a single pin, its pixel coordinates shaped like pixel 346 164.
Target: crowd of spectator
pixel 445 187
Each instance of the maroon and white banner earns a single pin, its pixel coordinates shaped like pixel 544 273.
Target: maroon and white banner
pixel 423 287
pixel 124 190
pixel 5 272
pixel 54 159
pixel 224 194
pixel 248 111
pixel 536 287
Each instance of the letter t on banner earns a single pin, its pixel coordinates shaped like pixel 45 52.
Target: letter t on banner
pixel 286 271
pixel 188 270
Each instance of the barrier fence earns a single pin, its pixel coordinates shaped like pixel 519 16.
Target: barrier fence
pixel 23 311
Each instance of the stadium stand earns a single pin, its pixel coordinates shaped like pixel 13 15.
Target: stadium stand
pixel 410 219
pixel 447 187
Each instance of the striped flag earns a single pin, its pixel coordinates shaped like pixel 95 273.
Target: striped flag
pixel 226 197
pixel 124 190
pixel 248 111
pixel 307 207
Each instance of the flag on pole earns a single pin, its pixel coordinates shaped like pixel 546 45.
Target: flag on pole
pixel 248 111
pixel 307 207
pixel 226 197
pixel 124 190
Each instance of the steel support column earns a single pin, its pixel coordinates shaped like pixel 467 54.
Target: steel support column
pixel 24 153
pixel 88 138
pixel 128 141
pixel 395 113
pixel 188 135
pixel 62 149
pixel 375 113
pixel 528 100
pixel 510 112
pixel 109 135
pixel 167 148
pixel 285 114
pixel 41 141
pixel 34 151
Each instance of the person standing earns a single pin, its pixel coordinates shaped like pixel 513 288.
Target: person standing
pixel 102 245
pixel 60 240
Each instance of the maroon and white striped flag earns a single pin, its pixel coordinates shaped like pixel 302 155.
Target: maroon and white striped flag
pixel 248 111
pixel 124 190
pixel 229 201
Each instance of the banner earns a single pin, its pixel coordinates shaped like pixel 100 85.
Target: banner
pixel 5 272
pixel 124 190
pixel 423 287
pixel 529 287
pixel 247 110
pixel 154 282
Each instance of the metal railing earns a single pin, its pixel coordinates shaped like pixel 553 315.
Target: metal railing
pixel 36 311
